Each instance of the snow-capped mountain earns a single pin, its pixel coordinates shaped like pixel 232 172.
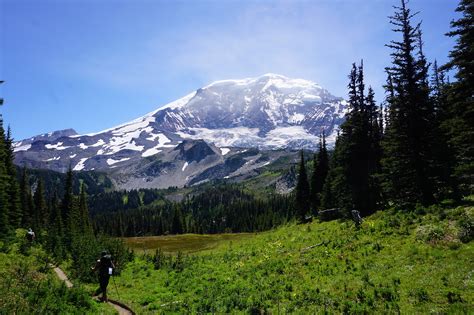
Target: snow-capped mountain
pixel 271 111
pixel 267 112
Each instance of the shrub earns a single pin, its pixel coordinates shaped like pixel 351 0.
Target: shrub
pixel 430 233
pixel 466 228
pixel 453 297
pixel 421 295
pixel 159 259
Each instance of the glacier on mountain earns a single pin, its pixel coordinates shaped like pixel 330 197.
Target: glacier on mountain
pixel 267 112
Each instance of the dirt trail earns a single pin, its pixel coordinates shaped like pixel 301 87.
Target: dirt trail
pixel 121 308
pixel 62 276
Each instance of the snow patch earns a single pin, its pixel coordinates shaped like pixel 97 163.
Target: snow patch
pixel 53 159
pixel 58 146
pixel 224 151
pixel 184 166
pixel 112 161
pixel 229 137
pixel 162 139
pixel 151 151
pixel 80 166
pixel 19 148
pixel 98 143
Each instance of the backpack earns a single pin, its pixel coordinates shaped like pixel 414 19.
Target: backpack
pixel 105 265
pixel 30 236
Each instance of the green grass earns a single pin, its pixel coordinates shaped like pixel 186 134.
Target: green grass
pixel 188 243
pixel 28 284
pixel 394 263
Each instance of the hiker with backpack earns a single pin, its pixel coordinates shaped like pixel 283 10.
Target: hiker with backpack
pixel 30 235
pixel 105 268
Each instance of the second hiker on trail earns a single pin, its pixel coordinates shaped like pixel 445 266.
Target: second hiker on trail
pixel 105 267
pixel 30 235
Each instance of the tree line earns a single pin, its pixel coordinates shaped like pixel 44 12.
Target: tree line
pixel 416 149
pixel 216 209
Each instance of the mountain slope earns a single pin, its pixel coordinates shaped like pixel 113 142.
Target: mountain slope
pixel 268 112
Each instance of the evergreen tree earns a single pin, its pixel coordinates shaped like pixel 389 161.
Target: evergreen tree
pixel 445 157
pixel 351 180
pixel 25 199
pixel 84 221
pixel 459 124
pixel 40 217
pixel 5 227
pixel 133 200
pixel 302 195
pixel 374 157
pixel 10 216
pixel 56 229
pixel 14 211
pixel 177 224
pixel 320 172
pixel 67 202
pixel 408 143
pixel 68 216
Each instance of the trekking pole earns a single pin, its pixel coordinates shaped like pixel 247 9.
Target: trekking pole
pixel 115 284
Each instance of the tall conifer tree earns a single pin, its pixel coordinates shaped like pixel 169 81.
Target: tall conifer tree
pixel 351 180
pixel 25 197
pixel 459 124
pixel 408 143
pixel 5 227
pixel 56 229
pixel 40 217
pixel 14 212
pixel 177 224
pixel 320 172
pixel 68 209
pixel 303 202
pixel 446 181
pixel 85 224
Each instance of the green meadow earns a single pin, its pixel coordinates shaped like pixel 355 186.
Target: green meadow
pixel 187 243
pixel 396 262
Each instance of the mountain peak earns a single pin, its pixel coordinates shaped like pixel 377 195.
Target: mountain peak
pixel 262 78
pixel 268 112
pixel 274 76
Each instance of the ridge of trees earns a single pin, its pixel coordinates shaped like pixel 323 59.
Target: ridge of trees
pixel 223 208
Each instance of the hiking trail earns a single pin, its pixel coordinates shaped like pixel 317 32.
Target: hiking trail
pixel 121 308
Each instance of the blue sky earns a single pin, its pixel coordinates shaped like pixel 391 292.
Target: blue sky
pixel 93 64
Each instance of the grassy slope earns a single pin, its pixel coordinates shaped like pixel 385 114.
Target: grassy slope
pixel 29 286
pixel 406 262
